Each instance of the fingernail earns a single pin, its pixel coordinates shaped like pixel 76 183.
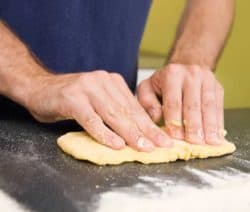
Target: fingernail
pixel 175 132
pixel 164 141
pixel 115 143
pixel 176 123
pixel 144 144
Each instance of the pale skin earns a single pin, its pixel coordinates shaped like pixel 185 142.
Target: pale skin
pixel 102 103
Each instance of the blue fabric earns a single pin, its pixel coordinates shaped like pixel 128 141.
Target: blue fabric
pixel 81 35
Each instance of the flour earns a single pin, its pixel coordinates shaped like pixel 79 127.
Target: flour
pixel 8 204
pixel 224 190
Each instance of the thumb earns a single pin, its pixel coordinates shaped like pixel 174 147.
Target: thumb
pixel 148 99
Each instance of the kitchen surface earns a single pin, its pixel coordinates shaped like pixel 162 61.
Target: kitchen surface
pixel 35 175
pixel 67 37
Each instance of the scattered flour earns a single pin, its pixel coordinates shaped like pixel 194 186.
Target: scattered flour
pixel 227 190
pixel 8 204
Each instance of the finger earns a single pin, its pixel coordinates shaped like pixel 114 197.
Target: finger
pixel 172 102
pixel 209 109
pixel 85 115
pixel 148 99
pixel 152 131
pixel 192 108
pixel 141 118
pixel 220 110
pixel 118 119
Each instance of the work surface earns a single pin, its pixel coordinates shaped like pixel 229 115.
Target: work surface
pixel 35 172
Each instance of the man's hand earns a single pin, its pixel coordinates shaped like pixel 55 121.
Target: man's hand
pixel 99 101
pixel 192 102
pixel 192 99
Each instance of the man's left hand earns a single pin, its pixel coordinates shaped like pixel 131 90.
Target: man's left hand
pixel 190 99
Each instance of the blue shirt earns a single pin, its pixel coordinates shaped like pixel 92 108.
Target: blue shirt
pixel 81 35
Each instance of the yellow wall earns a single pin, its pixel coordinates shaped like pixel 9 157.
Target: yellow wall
pixel 234 67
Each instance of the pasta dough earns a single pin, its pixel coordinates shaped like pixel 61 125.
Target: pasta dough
pixel 81 146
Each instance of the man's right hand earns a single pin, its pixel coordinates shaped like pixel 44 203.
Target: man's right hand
pixel 101 103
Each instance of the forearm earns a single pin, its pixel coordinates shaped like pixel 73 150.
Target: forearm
pixel 202 32
pixel 18 68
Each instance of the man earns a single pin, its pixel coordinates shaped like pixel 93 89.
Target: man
pixel 86 69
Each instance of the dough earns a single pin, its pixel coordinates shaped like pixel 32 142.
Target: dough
pixel 81 146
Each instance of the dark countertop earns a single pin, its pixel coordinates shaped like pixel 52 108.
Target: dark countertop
pixel 35 172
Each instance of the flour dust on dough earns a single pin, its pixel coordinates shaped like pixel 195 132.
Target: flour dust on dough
pixel 83 147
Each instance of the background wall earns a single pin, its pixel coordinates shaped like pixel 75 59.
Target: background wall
pixel 234 67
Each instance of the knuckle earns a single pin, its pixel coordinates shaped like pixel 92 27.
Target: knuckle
pixel 85 79
pixel 195 67
pixel 208 101
pixel 173 104
pixel 102 73
pixel 208 75
pixel 194 73
pixel 91 121
pixel 111 114
pixel 172 70
pixel 68 102
pixel 194 106
pixel 192 83
pixel 86 82
pixel 117 77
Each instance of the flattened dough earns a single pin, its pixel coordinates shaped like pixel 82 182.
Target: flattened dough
pixel 81 146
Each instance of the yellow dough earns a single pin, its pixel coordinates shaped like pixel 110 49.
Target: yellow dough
pixel 81 146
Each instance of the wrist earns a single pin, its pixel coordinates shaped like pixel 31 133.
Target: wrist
pixel 191 56
pixel 19 69
pixel 18 83
pixel 33 84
